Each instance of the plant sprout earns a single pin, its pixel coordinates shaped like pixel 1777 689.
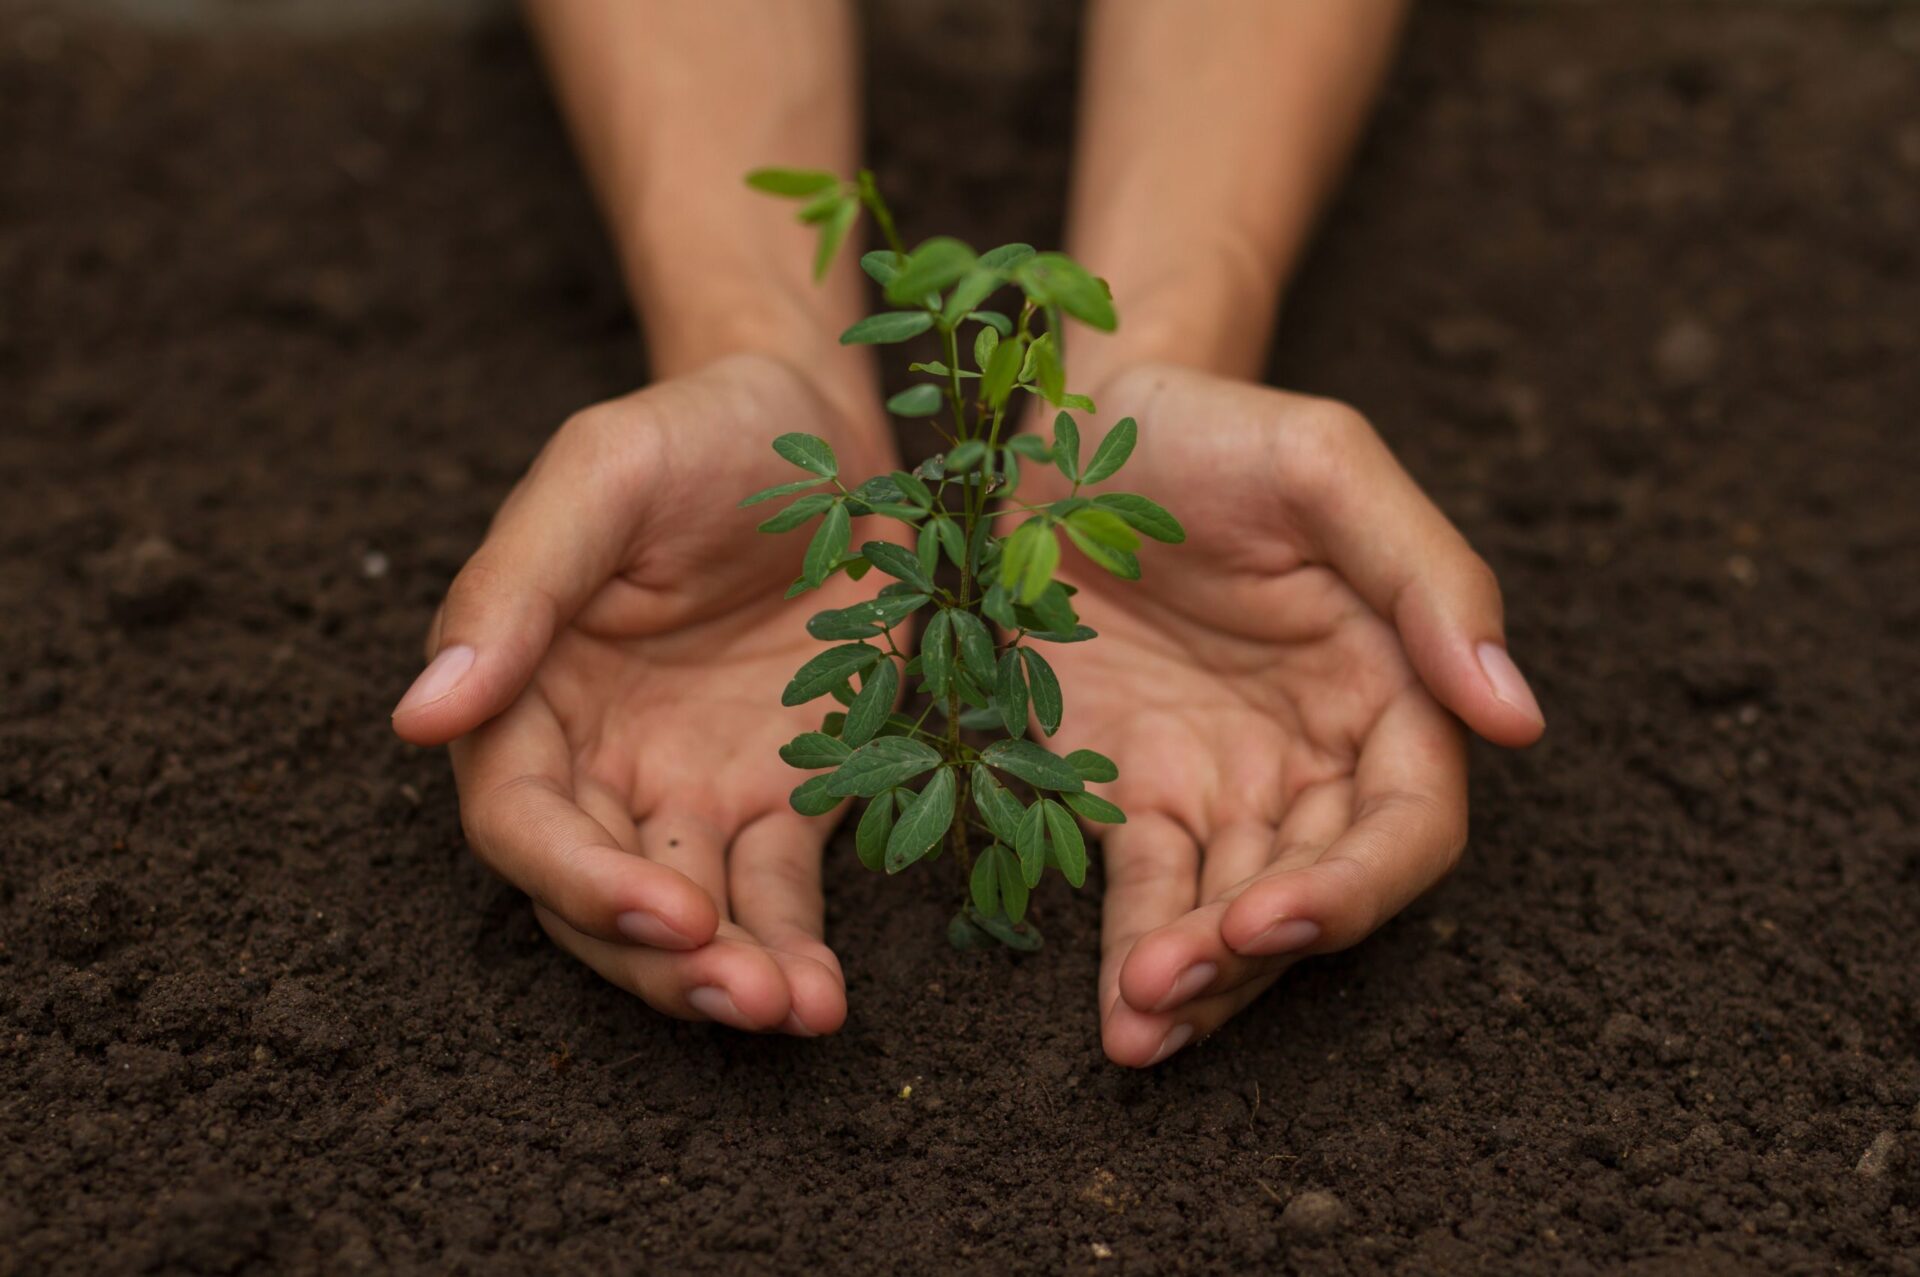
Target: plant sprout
pixel 931 782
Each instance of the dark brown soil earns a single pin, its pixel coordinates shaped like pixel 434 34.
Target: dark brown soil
pixel 1633 291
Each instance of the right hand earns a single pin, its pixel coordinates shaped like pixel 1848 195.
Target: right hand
pixel 608 667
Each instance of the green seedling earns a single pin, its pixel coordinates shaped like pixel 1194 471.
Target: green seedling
pixel 962 775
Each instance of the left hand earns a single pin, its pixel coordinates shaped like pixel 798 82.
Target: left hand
pixel 1272 692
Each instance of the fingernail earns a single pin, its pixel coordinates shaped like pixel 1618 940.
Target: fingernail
pixel 1284 936
pixel 440 677
pixel 794 1026
pixel 1509 684
pixel 1178 1036
pixel 646 928
pixel 1191 981
pixel 717 1004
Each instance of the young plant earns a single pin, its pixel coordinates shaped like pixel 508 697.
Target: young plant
pixel 930 787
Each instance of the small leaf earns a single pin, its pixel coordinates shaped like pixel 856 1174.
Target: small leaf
pixel 922 400
pixel 809 453
pixel 827 671
pixel 1079 403
pixel 924 822
pixel 1093 766
pixel 994 320
pixel 799 512
pixel 1031 763
pixel 898 563
pixel 1021 939
pixel 887 327
pixel 998 607
pixel 881 265
pixel 832 233
pixel 936 652
pixel 1095 808
pixel 985 884
pixel 965 456
pixel 873 705
pixel 966 935
pixel 984 342
pixel 912 489
pixel 927 548
pixel 1030 840
pixel 1003 366
pixel 1006 257
pixel 779 490
pixel 1066 446
pixel 1048 372
pixel 864 620
pixel 881 764
pixel 1105 527
pixel 976 645
pixel 1143 515
pixel 810 797
pixel 975 287
pixel 1053 611
pixel 828 544
pixel 1032 447
pixel 791 183
pixel 1028 559
pixel 999 808
pixel 870 839
pixel 1056 279
pixel 952 540
pixel 1047 705
pixel 809 750
pixel 1010 693
pixel 1069 847
pixel 1113 451
pixel 1012 882
pixel 930 268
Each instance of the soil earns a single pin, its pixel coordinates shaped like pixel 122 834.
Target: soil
pixel 1631 290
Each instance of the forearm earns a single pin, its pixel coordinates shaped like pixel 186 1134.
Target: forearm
pixel 1211 131
pixel 670 103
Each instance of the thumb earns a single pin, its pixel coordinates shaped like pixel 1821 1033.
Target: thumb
pixel 557 539
pixel 1388 539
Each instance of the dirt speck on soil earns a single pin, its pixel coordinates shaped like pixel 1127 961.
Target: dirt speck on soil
pixel 1630 290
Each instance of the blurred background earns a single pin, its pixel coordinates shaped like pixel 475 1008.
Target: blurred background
pixel 292 291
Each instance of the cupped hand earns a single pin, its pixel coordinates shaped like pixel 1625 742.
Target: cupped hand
pixel 608 667
pixel 1273 694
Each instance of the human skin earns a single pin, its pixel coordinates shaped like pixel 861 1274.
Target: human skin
pixel 1275 691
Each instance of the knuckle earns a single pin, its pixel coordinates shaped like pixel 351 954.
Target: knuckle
pixel 1317 451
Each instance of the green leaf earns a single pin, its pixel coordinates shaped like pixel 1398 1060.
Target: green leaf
pixel 779 490
pixel 1143 515
pixel 887 327
pixel 976 645
pixel 939 369
pixel 828 544
pixel 1095 808
pixel 994 320
pixel 898 563
pixel 966 935
pixel 985 884
pixel 1021 939
pixel 881 265
pixel 952 540
pixel 809 750
pixel 1038 767
pixel 936 652
pixel 870 839
pixel 864 620
pixel 1093 766
pixel 809 453
pixel 1030 840
pixel 922 400
pixel 984 342
pixel 912 489
pixel 924 822
pixel 927 548
pixel 977 285
pixel 1012 881
pixel 965 456
pixel 873 705
pixel 1113 451
pixel 998 607
pixel 1068 846
pixel 833 232
pixel 1006 257
pixel 1053 611
pixel 1010 693
pixel 1066 446
pixel 1056 279
pixel 1003 366
pixel 1032 447
pixel 1047 705
pixel 1028 559
pixel 1105 527
pixel 799 512
pixel 830 669
pixel 930 268
pixel 998 807
pixel 810 797
pixel 881 764
pixel 791 183
pixel 1079 403
pixel 1047 369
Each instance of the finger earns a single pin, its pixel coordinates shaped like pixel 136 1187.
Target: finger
pixel 1234 854
pixel 523 821
pixel 774 879
pixel 688 844
pixel 1410 824
pixel 1138 1039
pixel 1389 540
pixel 1153 872
pixel 732 980
pixel 556 541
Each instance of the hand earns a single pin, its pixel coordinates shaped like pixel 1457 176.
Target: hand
pixel 608 667
pixel 1272 692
